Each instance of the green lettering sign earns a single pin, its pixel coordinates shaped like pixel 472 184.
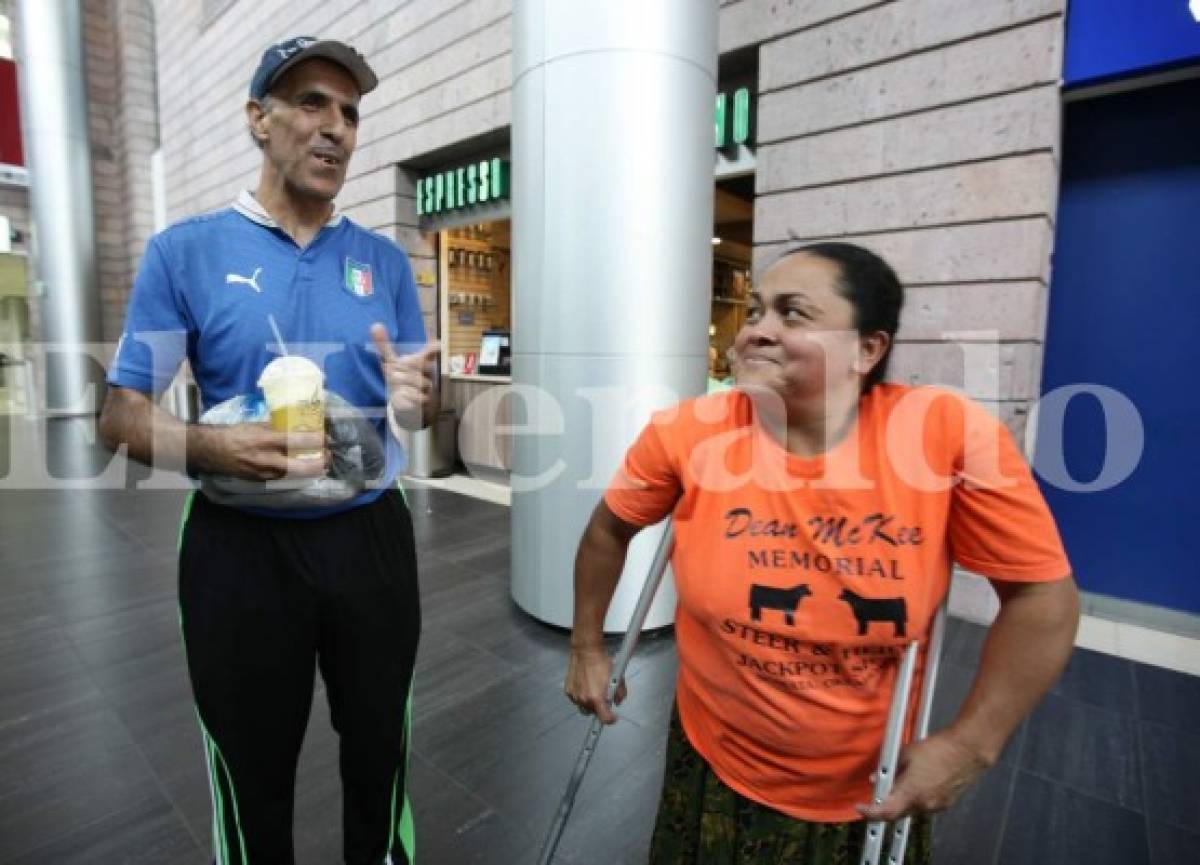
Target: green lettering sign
pixel 734 124
pixel 485 187
pixel 741 116
pixel 722 121
pixel 499 179
pixel 472 180
pixel 459 188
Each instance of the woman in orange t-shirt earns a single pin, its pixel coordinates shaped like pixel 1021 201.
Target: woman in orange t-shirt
pixel 818 512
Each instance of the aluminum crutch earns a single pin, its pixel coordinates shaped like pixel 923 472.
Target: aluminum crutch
pixel 933 663
pixel 893 739
pixel 657 568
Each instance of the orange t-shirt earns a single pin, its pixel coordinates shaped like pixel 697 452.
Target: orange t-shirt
pixel 801 580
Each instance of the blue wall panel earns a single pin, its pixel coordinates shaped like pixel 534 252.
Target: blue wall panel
pixel 1125 312
pixel 1109 39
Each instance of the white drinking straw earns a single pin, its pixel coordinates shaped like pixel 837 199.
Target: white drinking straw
pixel 278 337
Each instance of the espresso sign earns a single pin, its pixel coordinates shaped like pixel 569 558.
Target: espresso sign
pixel 459 188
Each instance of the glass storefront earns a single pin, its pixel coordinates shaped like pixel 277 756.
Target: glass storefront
pixel 477 263
pixel 733 241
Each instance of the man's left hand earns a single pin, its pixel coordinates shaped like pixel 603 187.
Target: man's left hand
pixel 932 774
pixel 409 379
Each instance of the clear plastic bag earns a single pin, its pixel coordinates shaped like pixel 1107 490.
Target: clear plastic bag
pixel 359 459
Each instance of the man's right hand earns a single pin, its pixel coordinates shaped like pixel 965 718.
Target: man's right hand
pixel 254 451
pixel 251 451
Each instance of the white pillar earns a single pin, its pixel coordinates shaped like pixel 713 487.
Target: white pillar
pixel 55 119
pixel 612 192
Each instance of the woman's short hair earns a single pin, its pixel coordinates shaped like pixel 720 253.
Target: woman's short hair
pixel 872 288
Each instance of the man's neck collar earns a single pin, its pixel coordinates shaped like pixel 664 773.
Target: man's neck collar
pixel 251 208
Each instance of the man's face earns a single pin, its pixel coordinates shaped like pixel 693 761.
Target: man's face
pixel 308 127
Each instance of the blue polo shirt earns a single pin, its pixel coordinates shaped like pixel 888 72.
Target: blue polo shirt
pixel 207 284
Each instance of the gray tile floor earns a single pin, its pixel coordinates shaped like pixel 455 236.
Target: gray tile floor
pixel 100 758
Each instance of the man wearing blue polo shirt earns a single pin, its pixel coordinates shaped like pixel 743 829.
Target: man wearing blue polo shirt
pixel 267 598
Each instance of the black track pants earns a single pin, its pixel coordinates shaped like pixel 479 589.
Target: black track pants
pixel 263 603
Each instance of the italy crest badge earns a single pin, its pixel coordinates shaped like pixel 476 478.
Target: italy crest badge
pixel 358 279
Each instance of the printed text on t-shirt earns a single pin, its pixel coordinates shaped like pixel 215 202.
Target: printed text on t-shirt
pixel 836 530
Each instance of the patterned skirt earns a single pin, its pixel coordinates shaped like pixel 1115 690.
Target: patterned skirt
pixel 703 822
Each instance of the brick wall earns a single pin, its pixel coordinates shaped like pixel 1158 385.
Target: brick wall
pixel 135 138
pixel 103 89
pixel 928 131
pixel 443 64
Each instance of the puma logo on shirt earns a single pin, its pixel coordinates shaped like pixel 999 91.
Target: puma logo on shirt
pixel 252 280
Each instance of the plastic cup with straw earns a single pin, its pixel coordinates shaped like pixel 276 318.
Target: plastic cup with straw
pixel 294 388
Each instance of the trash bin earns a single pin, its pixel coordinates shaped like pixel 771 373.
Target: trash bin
pixel 433 451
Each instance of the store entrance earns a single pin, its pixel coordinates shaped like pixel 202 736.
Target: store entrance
pixel 733 242
pixel 478 298
pixel 475 264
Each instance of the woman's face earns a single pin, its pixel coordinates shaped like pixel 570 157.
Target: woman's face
pixel 799 339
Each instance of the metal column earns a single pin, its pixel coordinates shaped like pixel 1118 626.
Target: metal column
pixel 54 113
pixel 612 192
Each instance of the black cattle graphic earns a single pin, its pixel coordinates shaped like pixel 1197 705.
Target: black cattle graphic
pixel 784 600
pixel 867 610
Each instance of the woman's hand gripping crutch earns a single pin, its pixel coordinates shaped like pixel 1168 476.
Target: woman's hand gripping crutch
pixel 889 757
pixel 657 568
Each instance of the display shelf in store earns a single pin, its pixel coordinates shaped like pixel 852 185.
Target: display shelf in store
pixel 475 291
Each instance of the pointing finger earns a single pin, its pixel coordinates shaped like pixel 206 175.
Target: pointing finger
pixel 379 335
